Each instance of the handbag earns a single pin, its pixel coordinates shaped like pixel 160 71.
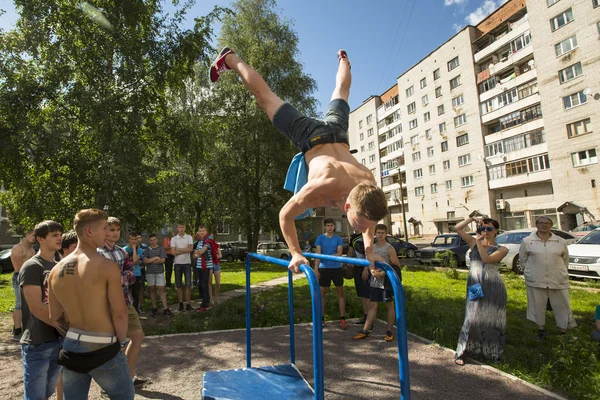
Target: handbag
pixel 475 291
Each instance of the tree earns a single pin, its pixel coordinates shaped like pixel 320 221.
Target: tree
pixel 81 106
pixel 249 150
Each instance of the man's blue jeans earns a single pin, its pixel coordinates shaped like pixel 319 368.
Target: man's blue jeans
pixel 40 369
pixel 112 376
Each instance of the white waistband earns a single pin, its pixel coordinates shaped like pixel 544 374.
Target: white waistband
pixel 91 339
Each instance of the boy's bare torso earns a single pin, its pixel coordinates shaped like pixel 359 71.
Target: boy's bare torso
pixel 332 173
pixel 80 285
pixel 26 252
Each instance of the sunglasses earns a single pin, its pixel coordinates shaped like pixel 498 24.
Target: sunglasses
pixel 485 228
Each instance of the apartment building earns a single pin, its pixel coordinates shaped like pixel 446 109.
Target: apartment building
pixel 362 132
pixel 567 53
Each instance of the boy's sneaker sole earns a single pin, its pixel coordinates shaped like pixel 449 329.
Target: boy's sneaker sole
pixel 361 335
pixel 219 66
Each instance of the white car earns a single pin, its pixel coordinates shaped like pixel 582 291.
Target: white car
pixel 274 249
pixel 512 241
pixel 584 256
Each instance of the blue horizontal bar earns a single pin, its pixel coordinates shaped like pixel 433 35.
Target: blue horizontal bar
pixel 347 260
pixel 274 260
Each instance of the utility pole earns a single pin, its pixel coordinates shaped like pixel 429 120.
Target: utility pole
pixel 399 160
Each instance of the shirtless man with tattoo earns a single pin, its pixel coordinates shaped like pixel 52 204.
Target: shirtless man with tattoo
pixel 87 307
pixel 19 254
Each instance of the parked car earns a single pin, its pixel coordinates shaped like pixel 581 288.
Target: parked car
pixel 274 249
pixel 512 241
pixel 585 228
pixel 441 243
pixel 5 262
pixel 584 256
pixel 231 252
pixel 402 247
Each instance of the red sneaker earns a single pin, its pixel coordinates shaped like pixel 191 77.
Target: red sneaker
pixel 218 66
pixel 343 325
pixel 202 309
pixel 342 54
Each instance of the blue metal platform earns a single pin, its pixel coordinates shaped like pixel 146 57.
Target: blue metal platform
pixel 274 382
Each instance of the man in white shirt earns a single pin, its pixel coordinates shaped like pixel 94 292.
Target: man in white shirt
pixel 181 246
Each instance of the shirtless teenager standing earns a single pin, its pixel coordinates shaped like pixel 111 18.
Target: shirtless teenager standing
pixel 334 177
pixel 19 254
pixel 87 307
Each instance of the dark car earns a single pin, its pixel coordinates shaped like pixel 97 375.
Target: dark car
pixel 441 243
pixel 231 252
pixel 402 247
pixel 5 262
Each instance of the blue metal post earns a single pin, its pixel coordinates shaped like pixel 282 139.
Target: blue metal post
pixel 291 315
pixel 248 323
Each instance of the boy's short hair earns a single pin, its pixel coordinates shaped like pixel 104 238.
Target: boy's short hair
pixel 85 217
pixel 69 238
pixel 132 234
pixel 202 226
pixel 369 201
pixel 381 227
pixel 328 221
pixel 114 221
pixel 152 235
pixel 45 227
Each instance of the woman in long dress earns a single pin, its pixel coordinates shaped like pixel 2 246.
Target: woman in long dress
pixel 483 333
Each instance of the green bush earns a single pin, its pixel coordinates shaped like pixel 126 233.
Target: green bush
pixel 447 259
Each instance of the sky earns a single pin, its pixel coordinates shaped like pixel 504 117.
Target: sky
pixel 383 38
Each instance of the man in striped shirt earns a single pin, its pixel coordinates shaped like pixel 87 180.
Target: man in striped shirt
pixel 204 264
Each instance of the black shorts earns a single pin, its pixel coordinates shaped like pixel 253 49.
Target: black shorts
pixel 305 132
pixel 331 274
pixel 362 287
pixel 377 295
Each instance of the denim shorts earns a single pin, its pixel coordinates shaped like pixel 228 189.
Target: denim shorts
pixel 112 376
pixel 17 290
pixel 180 271
pixel 305 132
pixel 216 267
pixel 40 369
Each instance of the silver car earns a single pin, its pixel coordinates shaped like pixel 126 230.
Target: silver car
pixel 274 249
pixel 584 256
pixel 512 241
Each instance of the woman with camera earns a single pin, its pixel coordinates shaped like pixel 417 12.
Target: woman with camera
pixel 483 333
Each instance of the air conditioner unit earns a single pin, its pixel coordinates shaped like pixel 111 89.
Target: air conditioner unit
pixel 500 204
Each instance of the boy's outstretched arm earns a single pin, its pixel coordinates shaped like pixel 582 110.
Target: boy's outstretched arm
pixel 369 240
pixel 286 221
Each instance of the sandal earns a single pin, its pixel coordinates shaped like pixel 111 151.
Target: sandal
pixel 459 361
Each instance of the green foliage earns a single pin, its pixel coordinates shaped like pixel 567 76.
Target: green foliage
pixel 447 259
pixel 451 273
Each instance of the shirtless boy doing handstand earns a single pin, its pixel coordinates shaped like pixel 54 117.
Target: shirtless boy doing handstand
pixel 334 177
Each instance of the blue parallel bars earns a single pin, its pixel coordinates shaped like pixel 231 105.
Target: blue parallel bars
pixel 399 303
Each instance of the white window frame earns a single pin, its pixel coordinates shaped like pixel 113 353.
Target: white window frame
pixel 432 169
pixel 559 48
pixel 466 181
pixel 442 127
pixel 458 101
pixel 416 156
pixel 414 140
pixel 362 136
pixel 574 100
pixel 360 124
pixel 423 83
pixel 445 142
pixel 596 3
pixel 455 62
pixel 372 158
pixel 574 127
pixel 438 92
pixel 436 74
pixel 426 117
pixel 574 70
pixel 419 191
pixel 449 184
pixel 371 145
pixel 460 120
pixel 552 2
pixel 410 91
pixel 411 108
pixel 446 165
pixel 430 151
pixel 455 82
pixel 413 124
pixel 590 156
pixel 462 140
pixel 441 110
pixel 433 188
pixel 369 119
pixel 464 160
pixel 370 132
pixel 555 22
pixel 425 100
pixel 428 134
pixel 418 173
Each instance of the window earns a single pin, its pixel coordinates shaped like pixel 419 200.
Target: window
pixel 369 119
pixel 362 149
pixel 426 116
pixel 428 134
pixel 436 74
pixel 457 101
pixel 425 100
pixel 550 2
pixel 449 184
pixel 433 188
pixel 565 46
pixel 461 140
pixel 444 146
pixel 520 167
pixel 438 91
pixel 414 140
pixel 370 132
pixel 363 161
pixel 432 169
pixel 460 120
pixel 520 42
pixel 360 124
pixel 362 136
pixel 578 128
pixel 585 157
pixel 416 156
pixel 464 160
pixel 486 85
pixel 454 82
pixel 372 158
pixel 466 181
pixel 442 127
pixel 419 191
pixel 446 165
pixel 561 19
pixel 574 100
pixel 423 83
pixel 571 72
pixel 410 91
pixel 527 90
pixel 411 108
pixel 222 228
pixel 453 63
pixel 450 214
pixel 412 124
pixel 441 109
pixel 371 145
pixel 596 3
pixel 418 173
pixel 430 151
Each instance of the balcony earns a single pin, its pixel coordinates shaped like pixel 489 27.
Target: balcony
pixel 392 155
pixel 518 28
pixel 529 125
pixel 518 180
pixel 512 107
pixel 501 87
pixel 383 112
pixel 513 58
pixel 527 152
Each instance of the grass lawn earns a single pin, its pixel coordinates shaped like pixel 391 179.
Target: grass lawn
pixel 7 296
